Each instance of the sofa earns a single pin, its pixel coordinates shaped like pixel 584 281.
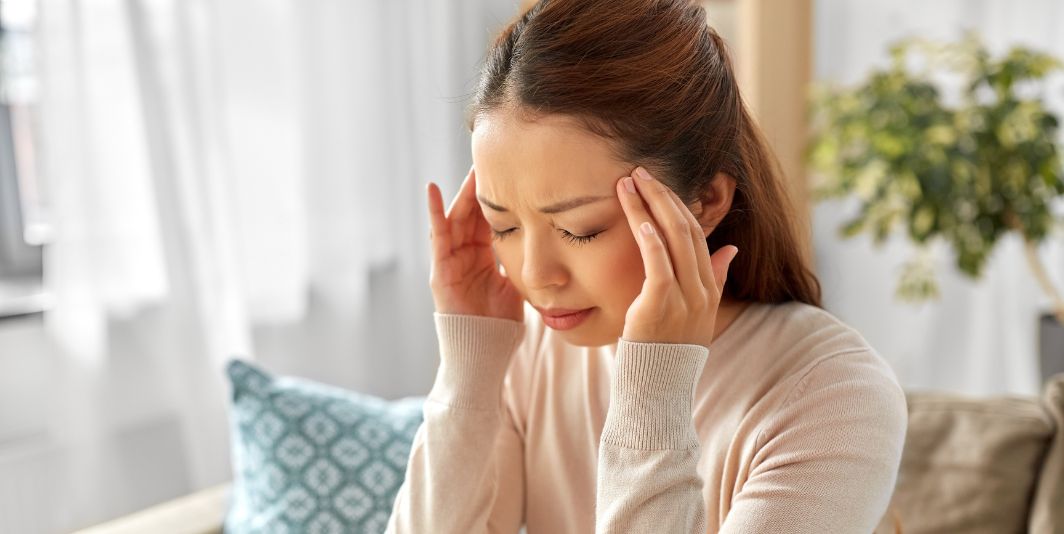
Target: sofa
pixel 972 465
pixel 993 465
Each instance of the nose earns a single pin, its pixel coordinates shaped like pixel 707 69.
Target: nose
pixel 541 267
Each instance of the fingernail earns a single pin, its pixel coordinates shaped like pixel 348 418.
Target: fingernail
pixel 642 173
pixel 646 228
pixel 629 184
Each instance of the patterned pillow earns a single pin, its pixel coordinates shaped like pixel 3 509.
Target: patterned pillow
pixel 313 458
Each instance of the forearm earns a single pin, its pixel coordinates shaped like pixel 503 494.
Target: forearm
pixel 450 480
pixel 648 454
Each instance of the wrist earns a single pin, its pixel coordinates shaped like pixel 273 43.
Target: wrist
pixel 475 352
pixel 652 393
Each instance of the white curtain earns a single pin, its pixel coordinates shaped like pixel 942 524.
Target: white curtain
pixel 236 177
pixel 981 336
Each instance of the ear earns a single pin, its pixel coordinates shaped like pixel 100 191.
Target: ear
pixel 714 202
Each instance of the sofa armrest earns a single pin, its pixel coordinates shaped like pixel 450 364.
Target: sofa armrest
pixel 1047 508
pixel 202 512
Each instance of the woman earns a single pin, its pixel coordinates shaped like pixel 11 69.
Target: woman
pixel 597 373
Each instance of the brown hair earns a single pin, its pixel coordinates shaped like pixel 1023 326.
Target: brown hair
pixel 656 80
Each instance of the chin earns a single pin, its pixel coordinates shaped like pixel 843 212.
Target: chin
pixel 591 338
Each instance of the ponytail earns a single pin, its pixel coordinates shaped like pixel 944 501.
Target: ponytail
pixel 771 265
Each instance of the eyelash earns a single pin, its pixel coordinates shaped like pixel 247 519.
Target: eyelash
pixel 575 239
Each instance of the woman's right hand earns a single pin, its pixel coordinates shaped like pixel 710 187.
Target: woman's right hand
pixel 464 276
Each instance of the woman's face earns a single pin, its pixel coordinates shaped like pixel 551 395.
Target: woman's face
pixel 575 256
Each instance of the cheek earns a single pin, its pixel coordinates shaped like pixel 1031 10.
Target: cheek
pixel 612 273
pixel 619 267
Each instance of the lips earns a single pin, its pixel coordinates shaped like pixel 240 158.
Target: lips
pixel 564 318
pixel 558 312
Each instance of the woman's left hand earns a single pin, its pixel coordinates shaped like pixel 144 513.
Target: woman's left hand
pixel 684 284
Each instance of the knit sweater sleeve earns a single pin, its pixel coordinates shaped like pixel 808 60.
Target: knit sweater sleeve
pixel 828 459
pixel 648 452
pixel 464 473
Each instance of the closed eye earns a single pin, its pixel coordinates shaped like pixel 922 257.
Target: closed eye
pixel 572 238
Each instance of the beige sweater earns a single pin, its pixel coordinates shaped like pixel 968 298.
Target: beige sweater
pixel 790 422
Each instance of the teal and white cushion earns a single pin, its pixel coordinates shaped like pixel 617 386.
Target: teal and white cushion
pixel 312 458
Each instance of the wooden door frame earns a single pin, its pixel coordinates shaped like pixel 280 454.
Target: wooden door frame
pixel 775 67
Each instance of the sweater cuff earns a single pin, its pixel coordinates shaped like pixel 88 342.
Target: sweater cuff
pixel 475 352
pixel 651 395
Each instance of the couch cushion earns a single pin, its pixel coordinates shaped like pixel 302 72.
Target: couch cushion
pixel 313 458
pixel 969 465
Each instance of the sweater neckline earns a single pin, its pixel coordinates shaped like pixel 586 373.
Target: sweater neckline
pixel 738 324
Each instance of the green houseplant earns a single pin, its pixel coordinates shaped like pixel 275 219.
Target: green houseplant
pixel 949 143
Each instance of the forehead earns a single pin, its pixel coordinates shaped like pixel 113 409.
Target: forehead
pixel 550 159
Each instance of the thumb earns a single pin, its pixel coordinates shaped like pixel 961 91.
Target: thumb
pixel 722 262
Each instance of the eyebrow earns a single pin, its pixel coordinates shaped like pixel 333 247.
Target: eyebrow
pixel 557 207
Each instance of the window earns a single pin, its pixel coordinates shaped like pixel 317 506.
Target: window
pixel 23 225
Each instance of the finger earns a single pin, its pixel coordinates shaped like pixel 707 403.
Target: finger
pixel 656 262
pixel 722 260
pixel 481 230
pixel 676 230
pixel 698 241
pixel 478 229
pixel 461 207
pixel 459 202
pixel 440 233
